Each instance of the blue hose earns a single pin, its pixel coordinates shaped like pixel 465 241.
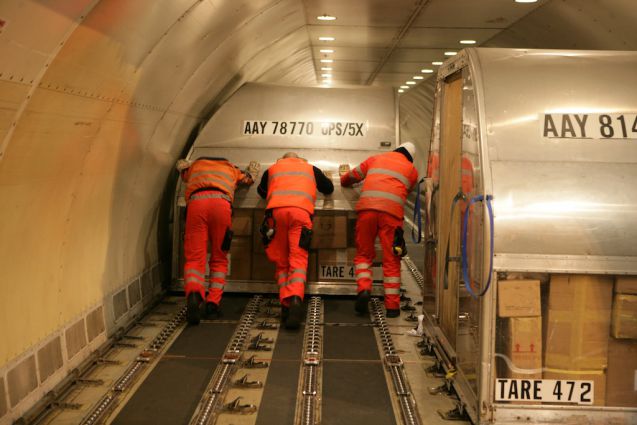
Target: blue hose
pixel 465 257
pixel 417 216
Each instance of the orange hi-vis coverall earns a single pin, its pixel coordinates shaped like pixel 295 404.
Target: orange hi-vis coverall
pixel 210 186
pixel 389 177
pixel 291 196
pixel 290 189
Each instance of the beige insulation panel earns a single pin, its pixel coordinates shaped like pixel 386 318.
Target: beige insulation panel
pixel 112 103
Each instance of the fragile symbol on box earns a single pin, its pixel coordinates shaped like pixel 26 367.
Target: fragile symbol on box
pixel 545 390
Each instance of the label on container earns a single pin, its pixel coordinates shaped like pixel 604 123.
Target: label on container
pixel 545 390
pixel 303 128
pixel 589 126
pixel 344 271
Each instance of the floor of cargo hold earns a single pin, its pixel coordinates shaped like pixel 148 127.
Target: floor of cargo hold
pixel 355 386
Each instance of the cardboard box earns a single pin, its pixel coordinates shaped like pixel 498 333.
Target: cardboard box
pixel 329 231
pixel 257 219
pixel 522 345
pixel 624 317
pixel 242 222
pixel 621 375
pixel 578 322
pixel 519 298
pixel 597 376
pixel 626 285
pixel 240 258
pixel 337 256
pixel 312 267
pixel 262 268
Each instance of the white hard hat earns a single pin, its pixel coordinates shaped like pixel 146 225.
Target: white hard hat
pixel 409 147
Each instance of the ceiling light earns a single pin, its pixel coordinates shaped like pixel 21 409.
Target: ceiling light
pixel 418 77
pixel 326 61
pixel 451 53
pixel 467 42
pixel 525 1
pixel 437 63
pixel 326 75
pixel 326 51
pixel 326 68
pixel 401 91
pixel 326 38
pixel 411 83
pixel 326 18
pixel 404 87
pixel 427 71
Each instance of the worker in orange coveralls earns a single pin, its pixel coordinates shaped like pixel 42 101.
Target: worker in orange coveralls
pixel 210 185
pixel 389 177
pixel 290 189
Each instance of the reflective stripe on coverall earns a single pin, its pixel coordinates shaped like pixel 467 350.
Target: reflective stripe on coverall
pixel 291 196
pixel 291 183
pixel 218 174
pixel 388 179
pixel 207 218
pixel 284 251
pixel 370 224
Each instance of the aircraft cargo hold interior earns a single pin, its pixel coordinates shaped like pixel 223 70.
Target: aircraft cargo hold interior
pixel 241 212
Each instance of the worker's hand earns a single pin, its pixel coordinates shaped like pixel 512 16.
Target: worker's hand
pixel 253 169
pixel 183 164
pixel 343 169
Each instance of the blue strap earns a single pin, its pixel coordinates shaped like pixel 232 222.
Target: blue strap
pixel 465 257
pixel 417 216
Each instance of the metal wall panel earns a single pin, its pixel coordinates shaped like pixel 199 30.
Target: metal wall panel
pixel 95 323
pixel 50 358
pixel 120 304
pixel 3 398
pixel 147 286
pixel 134 292
pixel 21 380
pixel 75 338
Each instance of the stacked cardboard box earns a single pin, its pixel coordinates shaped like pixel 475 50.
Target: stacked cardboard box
pixel 329 231
pixel 240 258
pixel 621 381
pixel 520 329
pixel 242 222
pixel 578 328
pixel 257 244
pixel 624 321
pixel 262 268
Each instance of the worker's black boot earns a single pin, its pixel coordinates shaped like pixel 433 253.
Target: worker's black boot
pixel 392 312
pixel 193 306
pixel 362 301
pixel 212 310
pixel 285 312
pixel 295 313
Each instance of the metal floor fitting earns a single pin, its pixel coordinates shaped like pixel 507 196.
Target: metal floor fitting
pixel 349 384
